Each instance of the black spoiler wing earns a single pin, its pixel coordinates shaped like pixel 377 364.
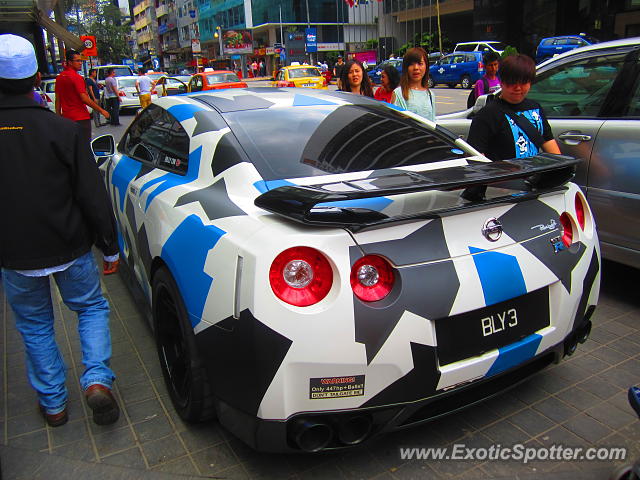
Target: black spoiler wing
pixel 540 173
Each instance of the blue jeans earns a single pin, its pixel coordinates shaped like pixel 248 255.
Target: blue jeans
pixel 30 300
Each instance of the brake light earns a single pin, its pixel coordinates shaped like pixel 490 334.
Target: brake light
pixel 480 66
pixel 580 211
pixel 301 276
pixel 372 278
pixel 154 92
pixel 121 93
pixel 567 229
pixel 290 84
pixel 47 98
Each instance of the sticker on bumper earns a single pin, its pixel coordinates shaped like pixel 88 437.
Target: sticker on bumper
pixel 336 387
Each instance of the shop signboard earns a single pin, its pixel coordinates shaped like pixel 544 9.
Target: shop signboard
pixel 311 42
pixel 195 45
pixel 331 47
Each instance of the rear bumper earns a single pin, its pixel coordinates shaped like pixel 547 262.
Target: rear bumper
pixel 278 435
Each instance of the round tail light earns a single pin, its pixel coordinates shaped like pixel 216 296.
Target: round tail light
pixel 301 276
pixel 580 211
pixel 567 229
pixel 372 278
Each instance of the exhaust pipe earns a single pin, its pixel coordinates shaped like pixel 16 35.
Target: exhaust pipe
pixel 354 430
pixel 311 435
pixel 584 331
pixel 570 344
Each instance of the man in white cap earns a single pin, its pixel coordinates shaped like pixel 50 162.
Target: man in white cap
pixel 59 208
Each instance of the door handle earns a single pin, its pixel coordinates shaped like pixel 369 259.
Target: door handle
pixel 570 137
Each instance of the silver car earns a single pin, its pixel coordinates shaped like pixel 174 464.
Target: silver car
pixel 591 96
pixel 129 94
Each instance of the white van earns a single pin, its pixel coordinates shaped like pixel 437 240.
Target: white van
pixel 480 46
pixel 121 71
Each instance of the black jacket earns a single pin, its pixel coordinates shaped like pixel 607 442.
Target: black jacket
pixel 53 202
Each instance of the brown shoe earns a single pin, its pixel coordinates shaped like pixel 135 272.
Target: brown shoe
pixel 104 405
pixel 54 419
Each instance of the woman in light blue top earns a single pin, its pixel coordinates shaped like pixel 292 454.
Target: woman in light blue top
pixel 413 94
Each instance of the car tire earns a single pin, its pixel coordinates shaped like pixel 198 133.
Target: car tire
pixel 182 368
pixel 430 83
pixel 465 82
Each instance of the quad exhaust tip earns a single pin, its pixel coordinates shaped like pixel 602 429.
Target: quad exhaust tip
pixel 579 336
pixel 311 435
pixel 354 430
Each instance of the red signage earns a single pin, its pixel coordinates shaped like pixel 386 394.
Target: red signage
pixel 90 46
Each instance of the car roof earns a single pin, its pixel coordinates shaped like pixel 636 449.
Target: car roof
pixel 127 77
pixel 624 42
pixel 214 71
pixel 256 98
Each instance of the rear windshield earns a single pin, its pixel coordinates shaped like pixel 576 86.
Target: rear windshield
pixel 126 82
pixel 304 72
pixel 319 140
pixel 498 45
pixel 222 78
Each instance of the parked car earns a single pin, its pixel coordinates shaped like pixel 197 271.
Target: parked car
pixel 172 85
pixel 309 281
pixel 374 73
pixel 552 46
pixel 128 94
pixel 48 86
pixel 480 46
pixel 591 96
pixel 457 68
pixel 215 80
pixel 305 76
pixel 45 99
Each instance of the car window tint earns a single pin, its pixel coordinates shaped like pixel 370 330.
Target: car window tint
pixel 576 89
pixel 300 141
pixel 158 138
pixel 50 87
pixel 634 105
pixel 304 72
pixel 222 77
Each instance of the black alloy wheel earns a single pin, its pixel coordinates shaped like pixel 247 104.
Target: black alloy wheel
pixel 182 368
pixel 430 83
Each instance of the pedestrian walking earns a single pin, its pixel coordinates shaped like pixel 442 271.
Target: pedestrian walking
pixel 112 97
pixel 94 92
pixel 59 207
pixel 337 70
pixel 72 98
pixel 144 85
pixel 513 126
pixel 414 94
pixel 389 81
pixel 489 82
pixel 354 80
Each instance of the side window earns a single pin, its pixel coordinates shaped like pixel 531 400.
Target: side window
pixel 576 89
pixel 634 105
pixel 157 138
pixel 445 60
pixel 196 83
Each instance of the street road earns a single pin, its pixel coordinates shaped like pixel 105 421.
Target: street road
pixel 447 100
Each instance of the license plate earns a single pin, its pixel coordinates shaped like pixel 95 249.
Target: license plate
pixel 474 333
pixel 308 84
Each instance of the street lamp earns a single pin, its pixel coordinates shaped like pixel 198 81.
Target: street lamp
pixel 218 34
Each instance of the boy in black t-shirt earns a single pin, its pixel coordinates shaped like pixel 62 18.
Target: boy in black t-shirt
pixel 512 126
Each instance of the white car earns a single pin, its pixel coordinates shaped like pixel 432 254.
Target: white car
pixel 48 86
pixel 480 46
pixel 318 275
pixel 128 93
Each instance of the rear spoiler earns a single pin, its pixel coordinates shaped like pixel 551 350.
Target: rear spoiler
pixel 541 173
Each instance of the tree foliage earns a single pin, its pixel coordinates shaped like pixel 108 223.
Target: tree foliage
pixel 428 41
pixel 104 20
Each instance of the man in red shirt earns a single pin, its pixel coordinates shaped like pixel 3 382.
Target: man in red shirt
pixel 71 95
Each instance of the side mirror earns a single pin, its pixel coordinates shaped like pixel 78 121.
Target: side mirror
pixel 103 147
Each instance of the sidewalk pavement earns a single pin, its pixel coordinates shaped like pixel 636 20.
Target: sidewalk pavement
pixel 579 402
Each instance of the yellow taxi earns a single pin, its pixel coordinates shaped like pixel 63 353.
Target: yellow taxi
pixel 305 76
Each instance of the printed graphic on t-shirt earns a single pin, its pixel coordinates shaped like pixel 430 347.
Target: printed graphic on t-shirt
pixel 524 146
